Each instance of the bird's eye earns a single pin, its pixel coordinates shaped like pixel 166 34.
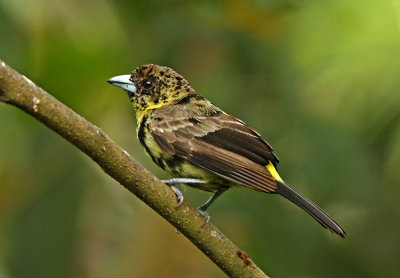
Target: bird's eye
pixel 147 84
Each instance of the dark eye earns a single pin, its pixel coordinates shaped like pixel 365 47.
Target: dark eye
pixel 147 84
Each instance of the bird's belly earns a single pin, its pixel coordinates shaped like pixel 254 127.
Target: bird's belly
pixel 188 170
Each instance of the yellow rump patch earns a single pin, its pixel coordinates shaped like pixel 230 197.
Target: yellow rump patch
pixel 270 167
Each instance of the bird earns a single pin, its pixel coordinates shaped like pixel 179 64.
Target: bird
pixel 200 145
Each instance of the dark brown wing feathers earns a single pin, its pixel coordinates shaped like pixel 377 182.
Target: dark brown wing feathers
pixel 221 144
pixel 229 148
pixel 241 143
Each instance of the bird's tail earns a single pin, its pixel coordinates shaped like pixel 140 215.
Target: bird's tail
pixel 318 214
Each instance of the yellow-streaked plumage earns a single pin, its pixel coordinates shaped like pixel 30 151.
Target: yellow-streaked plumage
pixel 190 138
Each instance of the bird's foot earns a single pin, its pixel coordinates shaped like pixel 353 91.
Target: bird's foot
pixel 178 194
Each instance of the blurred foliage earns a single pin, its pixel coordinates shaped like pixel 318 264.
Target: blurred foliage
pixel 318 79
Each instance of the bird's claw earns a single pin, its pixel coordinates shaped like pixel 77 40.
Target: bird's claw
pixel 205 214
pixel 178 194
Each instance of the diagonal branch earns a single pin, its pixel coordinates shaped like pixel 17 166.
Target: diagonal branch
pixel 17 90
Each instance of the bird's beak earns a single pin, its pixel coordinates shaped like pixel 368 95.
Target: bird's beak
pixel 124 82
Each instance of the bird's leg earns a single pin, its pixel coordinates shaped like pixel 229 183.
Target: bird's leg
pixel 177 192
pixel 202 209
pixel 182 180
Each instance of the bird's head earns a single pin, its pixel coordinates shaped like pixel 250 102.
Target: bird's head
pixel 152 86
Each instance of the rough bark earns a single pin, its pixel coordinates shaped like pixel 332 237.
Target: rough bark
pixel 19 91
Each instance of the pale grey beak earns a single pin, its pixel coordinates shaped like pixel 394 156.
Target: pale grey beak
pixel 123 82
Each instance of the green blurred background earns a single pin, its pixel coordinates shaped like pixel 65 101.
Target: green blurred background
pixel 318 79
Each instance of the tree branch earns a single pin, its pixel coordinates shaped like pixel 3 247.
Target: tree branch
pixel 21 92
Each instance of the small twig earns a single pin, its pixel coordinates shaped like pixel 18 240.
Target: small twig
pixel 21 92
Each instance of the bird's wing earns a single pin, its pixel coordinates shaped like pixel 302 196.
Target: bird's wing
pixel 218 142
